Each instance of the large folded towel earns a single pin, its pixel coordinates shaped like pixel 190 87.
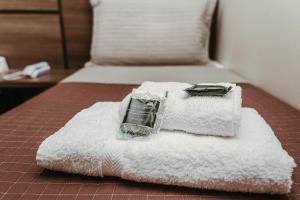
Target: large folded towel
pixel 253 161
pixel 206 115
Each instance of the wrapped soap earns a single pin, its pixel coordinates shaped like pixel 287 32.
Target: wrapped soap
pixel 207 90
pixel 144 114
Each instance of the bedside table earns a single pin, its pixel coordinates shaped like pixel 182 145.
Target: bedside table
pixel 15 92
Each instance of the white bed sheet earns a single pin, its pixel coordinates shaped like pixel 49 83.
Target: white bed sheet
pixel 212 72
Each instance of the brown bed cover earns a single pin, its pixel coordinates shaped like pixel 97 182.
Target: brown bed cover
pixel 25 127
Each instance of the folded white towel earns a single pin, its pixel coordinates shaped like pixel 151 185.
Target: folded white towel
pixel 206 115
pixel 253 161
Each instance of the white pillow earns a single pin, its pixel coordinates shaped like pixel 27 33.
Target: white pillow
pixel 151 31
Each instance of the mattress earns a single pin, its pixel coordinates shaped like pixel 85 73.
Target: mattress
pixel 212 72
pixel 25 127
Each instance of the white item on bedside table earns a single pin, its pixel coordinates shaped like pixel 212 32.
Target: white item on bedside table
pixel 31 71
pixel 3 65
pixel 36 69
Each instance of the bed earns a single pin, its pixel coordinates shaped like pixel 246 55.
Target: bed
pixel 25 127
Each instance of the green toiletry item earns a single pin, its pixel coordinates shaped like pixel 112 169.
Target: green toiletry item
pixel 208 90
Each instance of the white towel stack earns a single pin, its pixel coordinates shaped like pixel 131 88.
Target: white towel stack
pixel 205 115
pixel 251 161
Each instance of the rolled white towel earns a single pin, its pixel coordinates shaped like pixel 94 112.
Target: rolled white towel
pixel 205 115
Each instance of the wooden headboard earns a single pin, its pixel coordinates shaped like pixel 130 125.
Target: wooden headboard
pixel 57 31
pixel 31 31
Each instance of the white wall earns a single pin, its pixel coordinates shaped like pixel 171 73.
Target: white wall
pixel 260 40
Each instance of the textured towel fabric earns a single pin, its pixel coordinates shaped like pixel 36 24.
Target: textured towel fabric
pixel 219 116
pixel 253 161
pixel 138 32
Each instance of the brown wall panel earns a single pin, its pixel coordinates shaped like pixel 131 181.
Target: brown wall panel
pixel 28 4
pixel 25 39
pixel 78 28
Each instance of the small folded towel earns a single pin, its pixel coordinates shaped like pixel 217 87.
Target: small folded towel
pixel 253 161
pixel 206 115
